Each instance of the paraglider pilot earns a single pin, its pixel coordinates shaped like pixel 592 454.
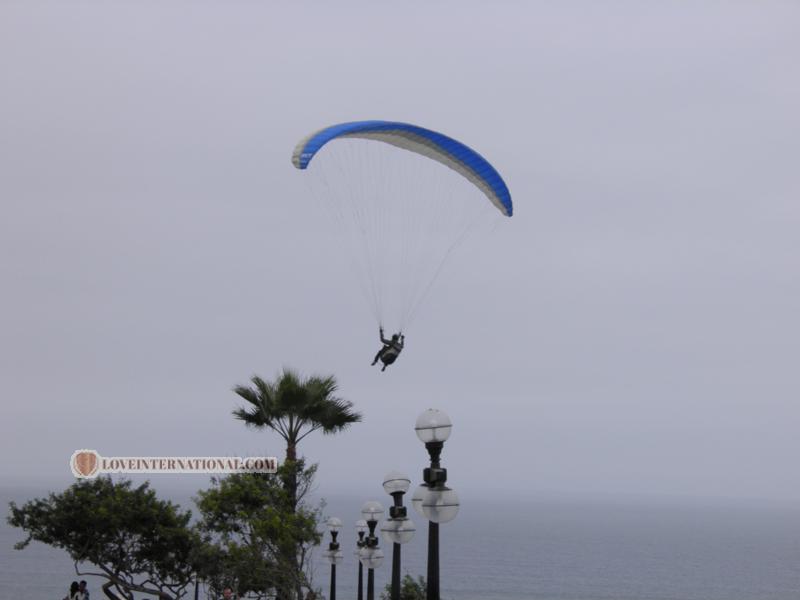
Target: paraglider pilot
pixel 391 349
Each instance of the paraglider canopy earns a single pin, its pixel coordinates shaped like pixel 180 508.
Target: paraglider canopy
pixel 402 213
pixel 437 146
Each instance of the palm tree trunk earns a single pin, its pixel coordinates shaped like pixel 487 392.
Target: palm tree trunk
pixel 291 588
pixel 291 477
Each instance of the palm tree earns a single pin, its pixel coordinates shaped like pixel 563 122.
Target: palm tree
pixel 295 407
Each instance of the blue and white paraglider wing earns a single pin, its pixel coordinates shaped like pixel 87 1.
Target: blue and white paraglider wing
pixel 432 144
pixel 401 212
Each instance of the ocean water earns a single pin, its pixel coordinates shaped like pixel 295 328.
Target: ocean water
pixel 542 549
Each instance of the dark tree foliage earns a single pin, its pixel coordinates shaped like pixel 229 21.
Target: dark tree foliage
pixel 135 541
pixel 410 589
pixel 263 537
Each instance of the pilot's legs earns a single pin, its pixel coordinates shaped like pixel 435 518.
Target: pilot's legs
pixel 378 355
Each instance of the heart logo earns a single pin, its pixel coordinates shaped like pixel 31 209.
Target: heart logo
pixel 84 463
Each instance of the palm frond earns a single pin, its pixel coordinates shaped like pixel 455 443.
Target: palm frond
pixel 295 406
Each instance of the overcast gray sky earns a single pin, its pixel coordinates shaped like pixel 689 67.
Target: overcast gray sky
pixel 633 328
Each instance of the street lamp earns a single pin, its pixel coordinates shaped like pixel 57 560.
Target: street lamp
pixel 334 555
pixel 433 499
pixel 398 529
pixel 370 555
pixel 361 530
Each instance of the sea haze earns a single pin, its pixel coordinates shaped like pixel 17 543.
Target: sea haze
pixel 545 548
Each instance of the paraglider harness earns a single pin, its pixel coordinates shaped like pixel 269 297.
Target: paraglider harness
pixel 391 349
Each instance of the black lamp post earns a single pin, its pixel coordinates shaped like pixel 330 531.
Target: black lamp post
pixel 361 530
pixel 371 556
pixel 433 499
pixel 398 529
pixel 334 555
